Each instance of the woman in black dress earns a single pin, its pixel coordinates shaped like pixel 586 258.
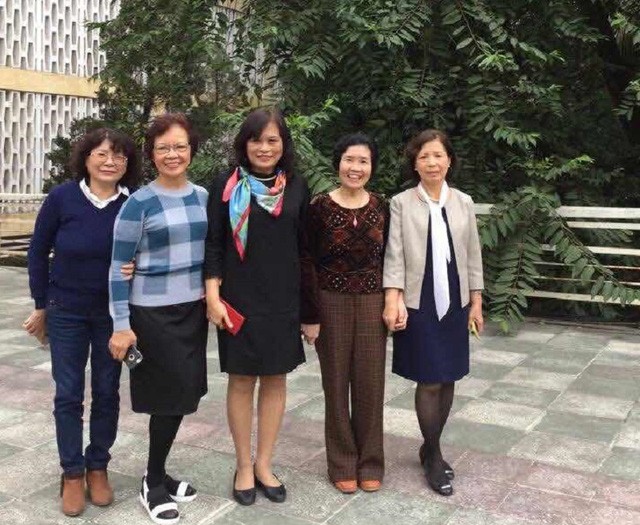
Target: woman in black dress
pixel 253 262
pixel 433 257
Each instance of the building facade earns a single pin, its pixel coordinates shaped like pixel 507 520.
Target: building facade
pixel 46 58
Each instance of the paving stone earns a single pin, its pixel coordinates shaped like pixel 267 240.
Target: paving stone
pixel 521 395
pixel 511 344
pixel 623 463
pixel 591 405
pixel 480 437
pixel 612 372
pixel 7 450
pixel 595 514
pixel 549 360
pixel 579 426
pixel 631 348
pixel 407 401
pixel 621 387
pixel 27 471
pixel 477 517
pixel 535 378
pixel 544 507
pixel 253 515
pixel 629 436
pixel 312 409
pixel 11 416
pixel 26 359
pixel 561 480
pixel 472 386
pixel 306 382
pixel 20 512
pixel 579 341
pixel 502 414
pixel 618 492
pixel 488 371
pixel 497 357
pixel 32 430
pixel 401 422
pixel 562 451
pixel 386 507
pixel 493 467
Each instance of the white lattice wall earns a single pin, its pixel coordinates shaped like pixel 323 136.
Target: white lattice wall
pixel 48 36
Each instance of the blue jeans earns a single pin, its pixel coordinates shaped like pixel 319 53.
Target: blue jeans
pixel 70 335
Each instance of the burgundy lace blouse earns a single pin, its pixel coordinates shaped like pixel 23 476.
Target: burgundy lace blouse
pixel 347 245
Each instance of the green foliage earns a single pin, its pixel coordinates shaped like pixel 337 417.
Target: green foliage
pixel 540 98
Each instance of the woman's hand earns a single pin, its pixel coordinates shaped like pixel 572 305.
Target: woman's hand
pixel 127 270
pixel 403 315
pixel 310 332
pixel 119 343
pixel 217 313
pixel 35 325
pixel 390 316
pixel 475 312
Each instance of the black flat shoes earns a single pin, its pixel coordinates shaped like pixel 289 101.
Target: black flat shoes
pixel 276 494
pixel 448 469
pixel 246 496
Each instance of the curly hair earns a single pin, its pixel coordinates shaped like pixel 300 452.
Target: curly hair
pixel 161 124
pixel 120 143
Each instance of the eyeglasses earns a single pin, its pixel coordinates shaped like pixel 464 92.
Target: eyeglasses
pixel 165 149
pixel 102 156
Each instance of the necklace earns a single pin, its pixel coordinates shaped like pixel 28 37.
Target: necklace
pixel 354 211
pixel 264 179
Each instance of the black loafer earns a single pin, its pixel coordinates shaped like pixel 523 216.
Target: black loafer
pixel 244 497
pixel 438 480
pixel 276 494
pixel 448 469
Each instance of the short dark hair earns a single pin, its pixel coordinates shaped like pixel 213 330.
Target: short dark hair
pixel 161 124
pixel 355 139
pixel 415 145
pixel 253 126
pixel 120 143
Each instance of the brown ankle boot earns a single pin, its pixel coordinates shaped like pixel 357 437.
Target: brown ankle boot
pixel 100 491
pixel 72 494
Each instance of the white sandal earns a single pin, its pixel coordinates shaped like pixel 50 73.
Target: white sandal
pixel 180 491
pixel 158 504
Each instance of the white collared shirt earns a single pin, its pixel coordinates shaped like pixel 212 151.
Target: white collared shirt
pixel 97 201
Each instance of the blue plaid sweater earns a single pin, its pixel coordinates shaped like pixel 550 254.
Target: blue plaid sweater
pixel 164 230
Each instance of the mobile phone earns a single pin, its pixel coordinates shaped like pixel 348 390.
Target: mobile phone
pixel 133 357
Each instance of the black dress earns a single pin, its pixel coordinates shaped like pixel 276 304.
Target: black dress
pixel 265 286
pixel 431 350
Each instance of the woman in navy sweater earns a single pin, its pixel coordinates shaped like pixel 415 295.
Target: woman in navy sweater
pixel 71 298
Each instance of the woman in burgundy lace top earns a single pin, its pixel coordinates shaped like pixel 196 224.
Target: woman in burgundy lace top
pixel 347 230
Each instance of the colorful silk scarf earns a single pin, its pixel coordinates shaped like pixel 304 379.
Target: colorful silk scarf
pixel 238 191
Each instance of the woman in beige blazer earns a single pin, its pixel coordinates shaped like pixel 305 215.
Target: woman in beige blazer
pixel 433 261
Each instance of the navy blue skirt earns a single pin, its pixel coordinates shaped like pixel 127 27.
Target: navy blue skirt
pixel 428 350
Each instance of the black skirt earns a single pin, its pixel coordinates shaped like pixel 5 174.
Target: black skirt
pixel 172 376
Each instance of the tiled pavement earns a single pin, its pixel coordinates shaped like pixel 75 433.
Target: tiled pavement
pixel 545 430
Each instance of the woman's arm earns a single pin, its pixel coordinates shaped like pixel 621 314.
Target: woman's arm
pixel 218 220
pixel 127 233
pixel 393 278
pixel 42 240
pixel 474 269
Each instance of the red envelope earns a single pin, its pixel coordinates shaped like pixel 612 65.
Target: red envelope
pixel 236 318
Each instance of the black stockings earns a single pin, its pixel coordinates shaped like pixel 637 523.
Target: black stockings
pixel 433 404
pixel 162 433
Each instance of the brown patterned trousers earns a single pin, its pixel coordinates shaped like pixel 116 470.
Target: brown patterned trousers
pixel 352 349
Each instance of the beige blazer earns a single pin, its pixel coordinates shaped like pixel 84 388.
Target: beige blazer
pixel 406 251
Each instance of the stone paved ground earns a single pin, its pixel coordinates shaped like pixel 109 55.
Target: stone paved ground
pixel 545 430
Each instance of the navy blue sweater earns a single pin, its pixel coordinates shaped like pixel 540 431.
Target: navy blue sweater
pixel 81 237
